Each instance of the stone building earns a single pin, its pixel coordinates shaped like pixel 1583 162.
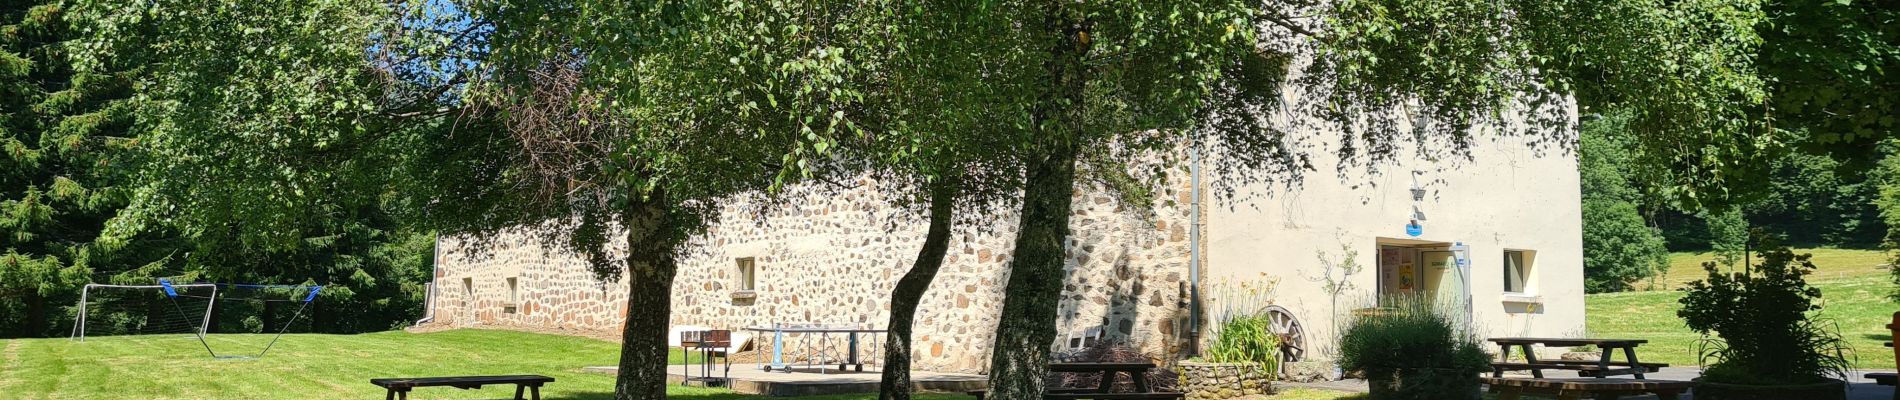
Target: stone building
pixel 1499 232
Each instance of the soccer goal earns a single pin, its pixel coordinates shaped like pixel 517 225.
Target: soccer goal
pixel 226 320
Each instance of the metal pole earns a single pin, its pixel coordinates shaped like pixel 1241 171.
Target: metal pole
pixel 280 333
pixel 203 325
pixel 79 322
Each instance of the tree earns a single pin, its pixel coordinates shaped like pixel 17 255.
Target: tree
pixel 66 169
pixel 933 131
pixel 1619 247
pixel 474 117
pixel 583 116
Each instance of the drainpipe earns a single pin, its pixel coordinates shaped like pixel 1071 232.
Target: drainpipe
pixel 428 289
pixel 1194 244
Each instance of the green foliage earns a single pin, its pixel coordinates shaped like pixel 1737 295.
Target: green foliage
pixel 1246 339
pixel 1411 349
pixel 87 192
pixel 1835 67
pixel 1683 70
pixel 1761 320
pixel 1728 236
pixel 1619 247
pixel 67 167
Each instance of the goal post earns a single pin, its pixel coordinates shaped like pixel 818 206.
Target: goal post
pixel 86 296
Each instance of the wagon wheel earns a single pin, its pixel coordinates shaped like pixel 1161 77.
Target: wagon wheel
pixel 1287 329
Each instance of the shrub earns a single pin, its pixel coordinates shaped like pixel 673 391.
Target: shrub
pixel 1246 339
pixel 1761 323
pixel 1412 350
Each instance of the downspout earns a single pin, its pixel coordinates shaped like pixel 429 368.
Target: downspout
pixel 1194 245
pixel 428 289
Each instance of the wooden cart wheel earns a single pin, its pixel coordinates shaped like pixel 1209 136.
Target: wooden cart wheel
pixel 1287 329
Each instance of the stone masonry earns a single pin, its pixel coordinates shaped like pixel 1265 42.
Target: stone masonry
pixel 1220 381
pixel 832 258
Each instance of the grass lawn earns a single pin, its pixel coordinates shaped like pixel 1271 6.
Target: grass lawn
pixel 319 367
pixel 1853 291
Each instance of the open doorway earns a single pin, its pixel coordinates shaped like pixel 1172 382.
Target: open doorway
pixel 1436 269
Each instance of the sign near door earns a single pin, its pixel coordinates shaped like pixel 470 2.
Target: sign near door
pixel 1413 229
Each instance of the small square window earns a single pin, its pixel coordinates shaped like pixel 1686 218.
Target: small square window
pixel 748 278
pixel 1517 271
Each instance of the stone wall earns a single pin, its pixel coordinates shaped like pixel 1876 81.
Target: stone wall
pixel 1218 381
pixel 832 258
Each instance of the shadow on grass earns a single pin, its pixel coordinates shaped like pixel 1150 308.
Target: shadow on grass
pixel 743 396
pixel 698 396
pixel 1884 337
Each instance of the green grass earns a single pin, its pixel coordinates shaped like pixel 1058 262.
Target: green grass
pixel 1853 291
pixel 320 367
pixel 311 366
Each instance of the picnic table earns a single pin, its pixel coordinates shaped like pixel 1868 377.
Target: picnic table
pixel 826 336
pixel 1137 372
pixel 399 387
pixel 1602 368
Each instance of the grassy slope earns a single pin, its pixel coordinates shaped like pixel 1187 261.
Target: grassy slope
pixel 1853 289
pixel 1836 264
pixel 318 367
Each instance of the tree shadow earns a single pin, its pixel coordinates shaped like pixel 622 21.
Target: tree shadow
pixel 693 396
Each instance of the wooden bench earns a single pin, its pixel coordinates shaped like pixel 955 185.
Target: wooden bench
pixel 1585 369
pixel 399 387
pixel 1585 388
pixel 1591 372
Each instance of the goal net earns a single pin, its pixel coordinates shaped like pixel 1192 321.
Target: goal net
pixel 226 320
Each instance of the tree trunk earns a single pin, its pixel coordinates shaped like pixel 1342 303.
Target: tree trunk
pixel 1027 328
pixel 910 291
pixel 653 240
pixel 35 314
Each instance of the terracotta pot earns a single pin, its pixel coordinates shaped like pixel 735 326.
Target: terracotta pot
pixel 1831 390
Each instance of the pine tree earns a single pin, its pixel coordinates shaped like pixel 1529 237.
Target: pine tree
pixel 64 161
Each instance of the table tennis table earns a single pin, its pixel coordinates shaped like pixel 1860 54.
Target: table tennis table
pixel 826 338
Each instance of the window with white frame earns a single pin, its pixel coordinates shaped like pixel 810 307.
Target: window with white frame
pixel 747 274
pixel 1517 270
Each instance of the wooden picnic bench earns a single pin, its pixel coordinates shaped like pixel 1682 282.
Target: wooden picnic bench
pixel 1585 388
pixel 399 387
pixel 1603 367
pixel 1889 378
pixel 1136 371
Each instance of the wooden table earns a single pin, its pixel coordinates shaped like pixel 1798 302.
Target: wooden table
pixel 1137 371
pixel 1601 369
pixel 399 387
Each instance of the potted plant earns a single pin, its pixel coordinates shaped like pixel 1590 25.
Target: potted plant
pixel 1760 340
pixel 1412 350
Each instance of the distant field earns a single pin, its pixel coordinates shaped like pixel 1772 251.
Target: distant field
pixel 1834 264
pixel 1854 285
